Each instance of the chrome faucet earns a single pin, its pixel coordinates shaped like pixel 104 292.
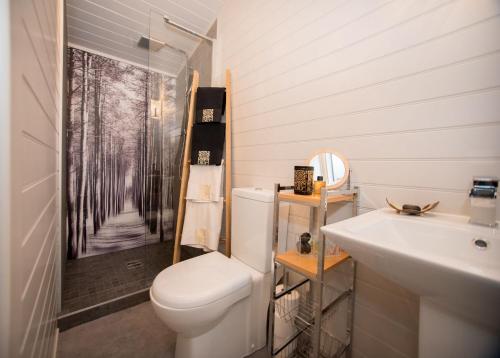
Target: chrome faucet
pixel 483 201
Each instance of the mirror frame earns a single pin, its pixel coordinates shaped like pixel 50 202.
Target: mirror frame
pixel 341 182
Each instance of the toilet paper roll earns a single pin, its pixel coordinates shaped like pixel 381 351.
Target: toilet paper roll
pixel 287 307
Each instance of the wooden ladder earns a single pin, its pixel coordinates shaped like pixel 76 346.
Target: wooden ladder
pixel 186 161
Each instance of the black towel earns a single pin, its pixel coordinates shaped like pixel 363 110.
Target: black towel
pixel 210 104
pixel 208 143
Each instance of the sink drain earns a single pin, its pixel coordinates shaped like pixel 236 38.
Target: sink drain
pixel 480 244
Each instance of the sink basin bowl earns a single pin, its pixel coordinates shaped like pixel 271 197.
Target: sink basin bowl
pixel 452 265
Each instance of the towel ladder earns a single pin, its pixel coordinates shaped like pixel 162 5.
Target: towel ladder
pixel 186 162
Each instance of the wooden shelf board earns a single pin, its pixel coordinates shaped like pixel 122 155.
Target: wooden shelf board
pixel 307 264
pixel 313 199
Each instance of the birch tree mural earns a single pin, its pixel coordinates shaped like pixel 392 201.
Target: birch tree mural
pixel 119 165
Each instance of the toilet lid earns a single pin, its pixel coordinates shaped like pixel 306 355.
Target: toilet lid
pixel 200 281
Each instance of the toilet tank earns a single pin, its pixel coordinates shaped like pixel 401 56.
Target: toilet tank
pixel 251 227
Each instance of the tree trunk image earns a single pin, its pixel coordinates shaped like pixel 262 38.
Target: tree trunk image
pixel 118 155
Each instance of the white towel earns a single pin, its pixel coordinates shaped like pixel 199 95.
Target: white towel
pixel 202 224
pixel 204 183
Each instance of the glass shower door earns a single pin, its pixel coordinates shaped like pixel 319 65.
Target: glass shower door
pixel 163 142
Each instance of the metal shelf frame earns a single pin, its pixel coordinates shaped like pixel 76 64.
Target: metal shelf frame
pixel 313 326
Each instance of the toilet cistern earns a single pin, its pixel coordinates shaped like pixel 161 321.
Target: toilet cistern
pixel 483 201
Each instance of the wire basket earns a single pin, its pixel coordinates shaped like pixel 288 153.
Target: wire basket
pixel 287 306
pixel 301 316
pixel 290 309
pixel 295 315
pixel 330 347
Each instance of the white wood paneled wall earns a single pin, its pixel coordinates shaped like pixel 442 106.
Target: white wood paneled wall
pixel 4 179
pixel 36 28
pixel 409 91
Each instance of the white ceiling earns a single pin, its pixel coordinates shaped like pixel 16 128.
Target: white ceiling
pixel 114 27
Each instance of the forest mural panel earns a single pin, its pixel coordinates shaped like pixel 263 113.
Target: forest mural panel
pixel 121 143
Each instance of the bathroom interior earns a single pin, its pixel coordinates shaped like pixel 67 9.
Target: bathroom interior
pixel 226 179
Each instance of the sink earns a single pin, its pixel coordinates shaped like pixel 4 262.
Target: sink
pixel 454 267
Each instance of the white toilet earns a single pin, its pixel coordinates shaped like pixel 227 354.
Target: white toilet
pixel 218 305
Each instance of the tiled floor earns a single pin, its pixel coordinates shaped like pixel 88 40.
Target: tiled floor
pixel 96 279
pixel 133 332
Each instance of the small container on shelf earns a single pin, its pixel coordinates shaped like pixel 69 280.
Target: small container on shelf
pixel 303 180
pixel 304 244
pixel 318 184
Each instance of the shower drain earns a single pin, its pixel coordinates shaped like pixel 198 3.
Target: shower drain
pixel 134 264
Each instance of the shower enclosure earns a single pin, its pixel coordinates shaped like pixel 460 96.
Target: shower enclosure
pixel 124 135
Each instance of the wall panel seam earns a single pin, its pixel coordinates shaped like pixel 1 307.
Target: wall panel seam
pixel 48 296
pixel 378 83
pixel 380 134
pixel 38 219
pixel 360 64
pixel 371 11
pixel 32 315
pixel 34 139
pixel 354 43
pixel 37 182
pixel 39 256
pixel 377 108
pixel 51 55
pixel 37 99
pixel 40 65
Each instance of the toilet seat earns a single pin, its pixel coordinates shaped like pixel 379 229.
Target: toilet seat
pixel 201 281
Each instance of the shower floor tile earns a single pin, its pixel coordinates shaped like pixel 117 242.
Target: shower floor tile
pixel 93 280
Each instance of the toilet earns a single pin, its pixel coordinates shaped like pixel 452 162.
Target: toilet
pixel 218 305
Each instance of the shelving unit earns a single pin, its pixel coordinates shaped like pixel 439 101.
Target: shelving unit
pixel 307 316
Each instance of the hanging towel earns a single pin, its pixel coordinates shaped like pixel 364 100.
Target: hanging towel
pixel 208 143
pixel 202 224
pixel 210 104
pixel 204 182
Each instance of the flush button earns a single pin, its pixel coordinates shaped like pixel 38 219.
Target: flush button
pixel 480 244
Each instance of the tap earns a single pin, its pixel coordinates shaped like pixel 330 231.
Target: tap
pixel 483 200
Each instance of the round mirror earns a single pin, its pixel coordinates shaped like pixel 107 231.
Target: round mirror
pixel 333 167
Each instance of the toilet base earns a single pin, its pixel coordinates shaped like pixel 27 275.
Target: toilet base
pixel 229 338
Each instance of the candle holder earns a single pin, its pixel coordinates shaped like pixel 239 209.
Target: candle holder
pixel 303 180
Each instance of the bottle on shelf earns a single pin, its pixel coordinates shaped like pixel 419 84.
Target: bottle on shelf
pixel 318 184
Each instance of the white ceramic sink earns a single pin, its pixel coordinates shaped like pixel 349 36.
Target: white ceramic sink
pixel 436 257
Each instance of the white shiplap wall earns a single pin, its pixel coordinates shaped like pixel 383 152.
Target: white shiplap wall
pixel 36 28
pixel 409 91
pixel 4 179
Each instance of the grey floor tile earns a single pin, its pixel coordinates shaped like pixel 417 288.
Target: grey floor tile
pixel 133 332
